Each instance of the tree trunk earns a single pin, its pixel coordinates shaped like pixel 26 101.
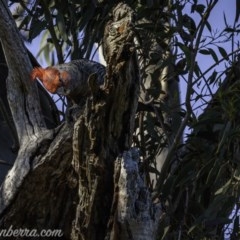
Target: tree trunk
pixel 105 128
pixel 133 215
pixel 9 144
pixel 65 178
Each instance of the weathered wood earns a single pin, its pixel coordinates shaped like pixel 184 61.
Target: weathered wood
pixel 64 177
pixel 9 144
pixel 105 128
pixel 133 214
pixel 22 94
pixel 24 104
pixel 16 192
pixel 45 198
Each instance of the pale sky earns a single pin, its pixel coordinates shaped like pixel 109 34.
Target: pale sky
pixel 205 61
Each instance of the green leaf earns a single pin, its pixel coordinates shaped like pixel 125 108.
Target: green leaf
pixel 189 23
pixel 228 29
pixel 36 28
pixel 208 25
pixel 212 78
pixel 209 51
pixel 220 173
pixel 187 53
pixel 197 70
pixel 192 228
pixel 61 26
pixel 166 230
pixel 224 135
pixel 223 53
pixel 214 55
pixel 199 8
pixel 225 19
pixel 223 189
pixel 186 174
pixel 204 52
pixel 212 172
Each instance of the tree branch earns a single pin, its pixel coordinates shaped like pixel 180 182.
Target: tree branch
pixel 22 94
pixel 134 216
pixel 105 127
pixel 52 32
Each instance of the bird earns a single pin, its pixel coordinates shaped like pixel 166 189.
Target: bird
pixel 70 79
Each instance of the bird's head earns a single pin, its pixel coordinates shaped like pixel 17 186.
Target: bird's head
pixel 51 78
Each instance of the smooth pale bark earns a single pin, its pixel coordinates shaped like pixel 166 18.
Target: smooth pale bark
pixel 160 94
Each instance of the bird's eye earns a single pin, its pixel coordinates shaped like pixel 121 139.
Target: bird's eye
pixel 64 78
pixel 61 81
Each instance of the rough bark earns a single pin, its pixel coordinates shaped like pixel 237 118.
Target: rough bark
pixel 19 192
pixel 64 178
pixel 9 144
pixel 133 215
pixel 23 102
pixel 45 197
pixel 22 94
pixel 105 128
pixel 42 169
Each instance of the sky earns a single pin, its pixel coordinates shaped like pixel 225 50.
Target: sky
pixel 216 20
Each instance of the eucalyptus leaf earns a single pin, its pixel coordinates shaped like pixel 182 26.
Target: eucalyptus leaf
pixel 223 53
pixel 61 26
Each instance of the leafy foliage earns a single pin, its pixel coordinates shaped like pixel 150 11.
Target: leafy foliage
pixel 206 181
pixel 198 184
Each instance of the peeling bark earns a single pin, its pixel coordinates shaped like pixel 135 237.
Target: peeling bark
pixel 45 198
pixel 105 128
pixel 133 215
pixel 24 104
pixel 22 94
pixel 64 178
pixel 35 191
